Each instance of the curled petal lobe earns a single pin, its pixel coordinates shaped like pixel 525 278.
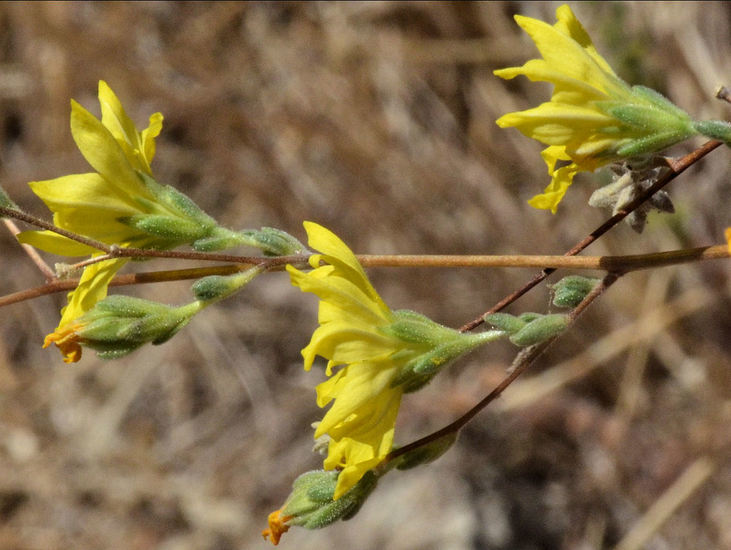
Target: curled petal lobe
pixel 91 289
pixel 66 340
pixel 277 527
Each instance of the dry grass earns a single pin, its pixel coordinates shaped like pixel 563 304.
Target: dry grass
pixel 376 120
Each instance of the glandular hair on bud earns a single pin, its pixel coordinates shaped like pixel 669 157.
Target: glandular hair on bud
pixel 571 290
pixel 541 329
pixel 211 288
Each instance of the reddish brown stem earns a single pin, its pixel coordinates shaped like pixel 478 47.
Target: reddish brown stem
pixel 677 167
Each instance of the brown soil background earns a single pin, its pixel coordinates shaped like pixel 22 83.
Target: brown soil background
pixel 376 120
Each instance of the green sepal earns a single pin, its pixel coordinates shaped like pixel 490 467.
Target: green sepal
pixel 174 230
pixel 221 238
pixel 311 503
pixel 178 203
pixel 529 316
pixel 505 321
pixel 652 143
pixel 415 328
pixel 434 360
pixel 118 325
pixel 540 329
pixel 272 241
pixel 715 129
pixel 658 100
pixel 218 287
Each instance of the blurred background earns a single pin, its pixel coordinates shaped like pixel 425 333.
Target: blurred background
pixel 377 121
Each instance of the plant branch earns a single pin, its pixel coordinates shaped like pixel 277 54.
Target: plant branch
pixel 605 263
pixel 38 222
pixel 32 253
pixel 677 167
pixel 525 360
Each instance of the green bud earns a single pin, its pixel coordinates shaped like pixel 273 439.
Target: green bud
pixel 540 329
pixel 118 325
pixel 571 290
pixel 427 453
pixel 505 321
pixel 218 287
pixel 211 288
pixel 311 504
pixel 273 241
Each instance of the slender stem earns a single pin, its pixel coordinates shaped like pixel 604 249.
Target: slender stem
pixel 32 220
pixel 32 253
pixel 525 361
pixel 677 167
pixel 606 263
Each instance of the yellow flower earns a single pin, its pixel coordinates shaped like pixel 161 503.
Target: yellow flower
pixel 594 118
pixel 383 354
pixel 728 238
pixel 361 422
pixel 118 204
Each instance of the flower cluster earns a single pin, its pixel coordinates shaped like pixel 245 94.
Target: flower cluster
pixel 119 204
pixel 593 118
pixel 381 353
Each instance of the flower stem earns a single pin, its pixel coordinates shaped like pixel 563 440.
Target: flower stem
pixel 526 359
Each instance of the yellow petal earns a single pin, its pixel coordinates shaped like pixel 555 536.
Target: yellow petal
pixel 340 256
pixel 88 189
pixel 140 147
pixel 92 287
pixel 103 152
pixel 55 243
pixel 338 293
pixel 568 24
pixel 149 134
pixel 572 54
pixel 342 342
pixel 554 192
